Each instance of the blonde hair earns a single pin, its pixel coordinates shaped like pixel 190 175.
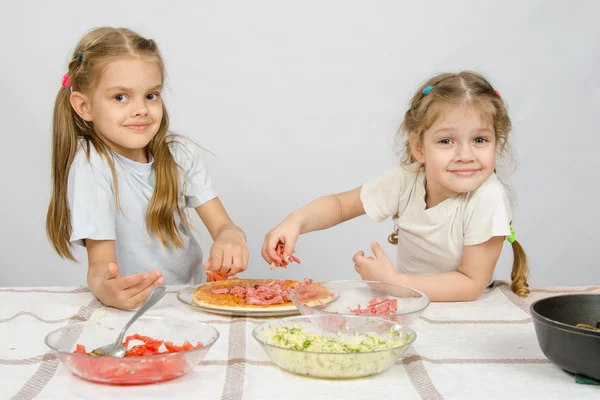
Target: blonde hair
pixel 94 51
pixel 465 88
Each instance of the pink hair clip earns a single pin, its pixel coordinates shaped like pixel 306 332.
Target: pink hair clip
pixel 66 81
pixel 497 92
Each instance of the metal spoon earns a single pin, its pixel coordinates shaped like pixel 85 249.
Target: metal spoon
pixel 117 349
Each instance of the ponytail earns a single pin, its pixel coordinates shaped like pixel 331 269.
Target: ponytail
pixel 64 145
pixel 520 270
pixel 68 130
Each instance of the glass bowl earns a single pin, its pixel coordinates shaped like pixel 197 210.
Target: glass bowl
pixel 322 359
pixel 131 370
pixel 340 297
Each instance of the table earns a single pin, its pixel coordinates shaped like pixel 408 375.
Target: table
pixel 486 349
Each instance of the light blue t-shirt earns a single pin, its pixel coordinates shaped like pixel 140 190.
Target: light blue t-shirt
pixel 94 214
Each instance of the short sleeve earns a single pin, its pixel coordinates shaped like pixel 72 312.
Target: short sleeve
pixel 381 197
pixel 197 184
pixel 487 213
pixel 91 202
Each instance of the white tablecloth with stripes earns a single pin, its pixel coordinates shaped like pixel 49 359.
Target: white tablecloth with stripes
pixel 485 349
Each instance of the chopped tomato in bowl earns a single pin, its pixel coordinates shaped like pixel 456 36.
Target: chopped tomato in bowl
pixel 161 349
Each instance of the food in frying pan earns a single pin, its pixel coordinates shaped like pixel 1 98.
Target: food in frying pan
pixel 586 326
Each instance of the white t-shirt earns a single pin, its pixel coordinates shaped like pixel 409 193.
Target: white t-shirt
pixel 431 241
pixel 94 214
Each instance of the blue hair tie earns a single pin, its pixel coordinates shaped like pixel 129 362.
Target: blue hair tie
pixel 427 90
pixel 79 57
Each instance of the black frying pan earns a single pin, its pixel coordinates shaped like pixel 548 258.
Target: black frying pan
pixel 576 350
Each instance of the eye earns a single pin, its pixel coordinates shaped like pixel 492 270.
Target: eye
pixel 153 96
pixel 120 98
pixel 481 140
pixel 445 141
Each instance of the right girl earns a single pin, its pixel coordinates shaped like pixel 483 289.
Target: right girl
pixel 451 212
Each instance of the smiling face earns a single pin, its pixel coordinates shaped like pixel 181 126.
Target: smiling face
pixel 458 151
pixel 125 105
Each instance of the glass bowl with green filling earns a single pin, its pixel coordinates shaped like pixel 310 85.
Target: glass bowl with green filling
pixel 334 346
pixel 396 303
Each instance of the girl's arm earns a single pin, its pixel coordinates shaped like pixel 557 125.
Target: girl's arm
pixel 228 254
pixel 108 285
pixel 322 213
pixel 328 211
pixel 466 284
pixel 471 279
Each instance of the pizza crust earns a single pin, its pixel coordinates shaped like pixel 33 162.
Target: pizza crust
pixel 248 307
pixel 320 303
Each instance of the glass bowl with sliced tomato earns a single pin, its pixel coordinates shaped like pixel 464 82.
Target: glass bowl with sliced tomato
pixel 396 303
pixel 158 349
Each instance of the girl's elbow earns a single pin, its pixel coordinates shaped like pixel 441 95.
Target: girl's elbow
pixel 474 293
pixel 460 296
pixel 473 296
pixel 470 292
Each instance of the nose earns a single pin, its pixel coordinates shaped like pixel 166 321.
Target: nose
pixel 465 153
pixel 140 108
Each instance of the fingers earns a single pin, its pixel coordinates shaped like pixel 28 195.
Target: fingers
pixel 264 249
pixel 124 292
pixel 356 259
pixel 360 261
pixel 378 250
pixel 263 253
pixel 112 272
pixel 210 276
pixel 221 260
pixel 358 256
pixel 245 259
pixel 271 251
pixel 226 261
pixel 148 281
pixel 138 299
pixel 227 258
pixel 288 249
pixel 126 282
pixel 216 259
pixel 237 262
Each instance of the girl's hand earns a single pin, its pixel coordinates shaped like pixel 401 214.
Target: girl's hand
pixel 285 234
pixel 378 268
pixel 126 292
pixel 228 254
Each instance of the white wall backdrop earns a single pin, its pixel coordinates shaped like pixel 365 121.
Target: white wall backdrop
pixel 302 98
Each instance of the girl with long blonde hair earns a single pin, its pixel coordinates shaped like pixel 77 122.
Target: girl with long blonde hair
pixel 121 183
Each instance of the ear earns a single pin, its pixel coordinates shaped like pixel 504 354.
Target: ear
pixel 416 146
pixel 82 106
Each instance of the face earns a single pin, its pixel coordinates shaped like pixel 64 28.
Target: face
pixel 125 106
pixel 458 151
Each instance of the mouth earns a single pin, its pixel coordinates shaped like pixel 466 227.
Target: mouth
pixel 137 127
pixel 464 172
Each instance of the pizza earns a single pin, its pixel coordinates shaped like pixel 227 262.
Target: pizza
pixel 247 294
pixel 315 295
